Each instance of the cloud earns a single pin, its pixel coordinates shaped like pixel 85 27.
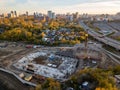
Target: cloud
pixel 108 6
pixel 61 6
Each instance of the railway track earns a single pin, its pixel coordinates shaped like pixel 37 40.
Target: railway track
pixel 6 80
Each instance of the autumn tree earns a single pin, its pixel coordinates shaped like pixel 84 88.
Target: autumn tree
pixel 38 87
pixel 17 35
pixel 51 84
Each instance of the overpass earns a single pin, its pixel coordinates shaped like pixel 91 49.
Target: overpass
pixel 106 40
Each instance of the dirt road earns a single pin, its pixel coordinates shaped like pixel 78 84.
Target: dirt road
pixel 9 82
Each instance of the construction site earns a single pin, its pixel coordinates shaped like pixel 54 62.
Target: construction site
pixel 34 65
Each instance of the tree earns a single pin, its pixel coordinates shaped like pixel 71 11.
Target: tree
pixel 42 34
pixel 51 84
pixel 38 87
pixel 17 35
pixel 53 25
pixel 116 70
pixel 102 79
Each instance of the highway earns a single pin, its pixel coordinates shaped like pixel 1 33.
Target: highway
pixel 106 40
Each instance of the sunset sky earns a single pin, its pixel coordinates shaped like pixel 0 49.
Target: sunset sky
pixel 61 6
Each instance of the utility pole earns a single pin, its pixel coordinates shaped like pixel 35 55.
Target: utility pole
pixel 86 44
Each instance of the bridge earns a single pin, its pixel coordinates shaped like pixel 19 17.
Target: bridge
pixel 106 40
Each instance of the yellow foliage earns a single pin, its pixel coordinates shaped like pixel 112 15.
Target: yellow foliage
pixel 38 87
pixel 63 40
pixel 99 88
pixel 83 37
pixel 17 34
pixel 42 34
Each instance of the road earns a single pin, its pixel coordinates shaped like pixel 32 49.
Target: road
pixel 106 40
pixel 11 82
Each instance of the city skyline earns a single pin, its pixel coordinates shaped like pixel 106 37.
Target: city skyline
pixel 61 6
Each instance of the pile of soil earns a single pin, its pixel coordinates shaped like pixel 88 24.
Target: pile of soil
pixel 40 60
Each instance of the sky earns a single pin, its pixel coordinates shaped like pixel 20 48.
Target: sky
pixel 61 6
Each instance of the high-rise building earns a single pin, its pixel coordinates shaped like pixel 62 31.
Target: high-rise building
pixel 76 15
pixel 50 14
pixel 27 13
pixel 12 14
pixel 40 14
pixel 4 15
pixel 9 15
pixel 34 15
pixel 69 16
pixel 15 14
pixel 53 15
